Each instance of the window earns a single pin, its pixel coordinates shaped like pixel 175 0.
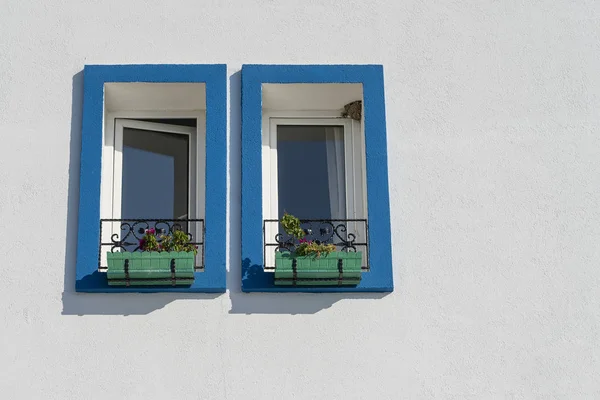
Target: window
pixel 149 154
pixel 151 131
pixel 154 172
pixel 313 168
pixel 316 165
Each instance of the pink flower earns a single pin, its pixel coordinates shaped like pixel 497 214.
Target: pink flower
pixel 151 231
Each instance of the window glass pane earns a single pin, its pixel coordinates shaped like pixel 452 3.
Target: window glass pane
pixel 310 169
pixel 155 175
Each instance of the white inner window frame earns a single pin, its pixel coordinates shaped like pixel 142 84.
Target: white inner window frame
pixel 354 158
pixel 112 162
pixel 120 125
pixel 354 165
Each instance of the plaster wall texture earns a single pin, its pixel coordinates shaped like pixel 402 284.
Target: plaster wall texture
pixel 493 143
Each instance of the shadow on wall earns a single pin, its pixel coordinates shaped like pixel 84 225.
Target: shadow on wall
pixel 283 303
pixel 260 303
pixel 102 303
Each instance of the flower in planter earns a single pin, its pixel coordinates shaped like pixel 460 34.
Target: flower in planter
pixel 150 242
pixel 305 247
pixel 177 241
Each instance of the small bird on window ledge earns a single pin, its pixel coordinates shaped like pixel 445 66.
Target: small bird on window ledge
pixel 353 110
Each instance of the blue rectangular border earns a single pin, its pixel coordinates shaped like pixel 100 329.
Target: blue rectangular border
pixel 254 279
pixel 214 76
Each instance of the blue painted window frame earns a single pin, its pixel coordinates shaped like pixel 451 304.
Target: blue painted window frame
pixel 254 278
pixel 214 76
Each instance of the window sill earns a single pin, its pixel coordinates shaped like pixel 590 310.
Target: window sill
pixel 204 282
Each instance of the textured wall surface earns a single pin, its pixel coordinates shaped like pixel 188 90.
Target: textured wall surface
pixel 494 152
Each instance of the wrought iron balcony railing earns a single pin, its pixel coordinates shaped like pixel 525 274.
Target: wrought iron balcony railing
pixel 345 234
pixel 125 235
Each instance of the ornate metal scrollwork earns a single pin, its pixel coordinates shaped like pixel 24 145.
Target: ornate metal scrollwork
pixel 321 231
pixel 130 232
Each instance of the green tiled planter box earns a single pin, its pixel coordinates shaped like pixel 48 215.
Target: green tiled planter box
pixel 150 268
pixel 333 269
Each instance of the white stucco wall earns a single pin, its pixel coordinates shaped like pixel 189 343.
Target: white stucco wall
pixel 494 145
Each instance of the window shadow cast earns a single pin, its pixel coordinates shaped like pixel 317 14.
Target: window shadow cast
pixel 123 303
pixel 235 182
pixel 283 303
pixel 98 303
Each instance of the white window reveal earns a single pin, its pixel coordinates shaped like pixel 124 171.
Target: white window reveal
pixel 313 161
pixel 153 163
